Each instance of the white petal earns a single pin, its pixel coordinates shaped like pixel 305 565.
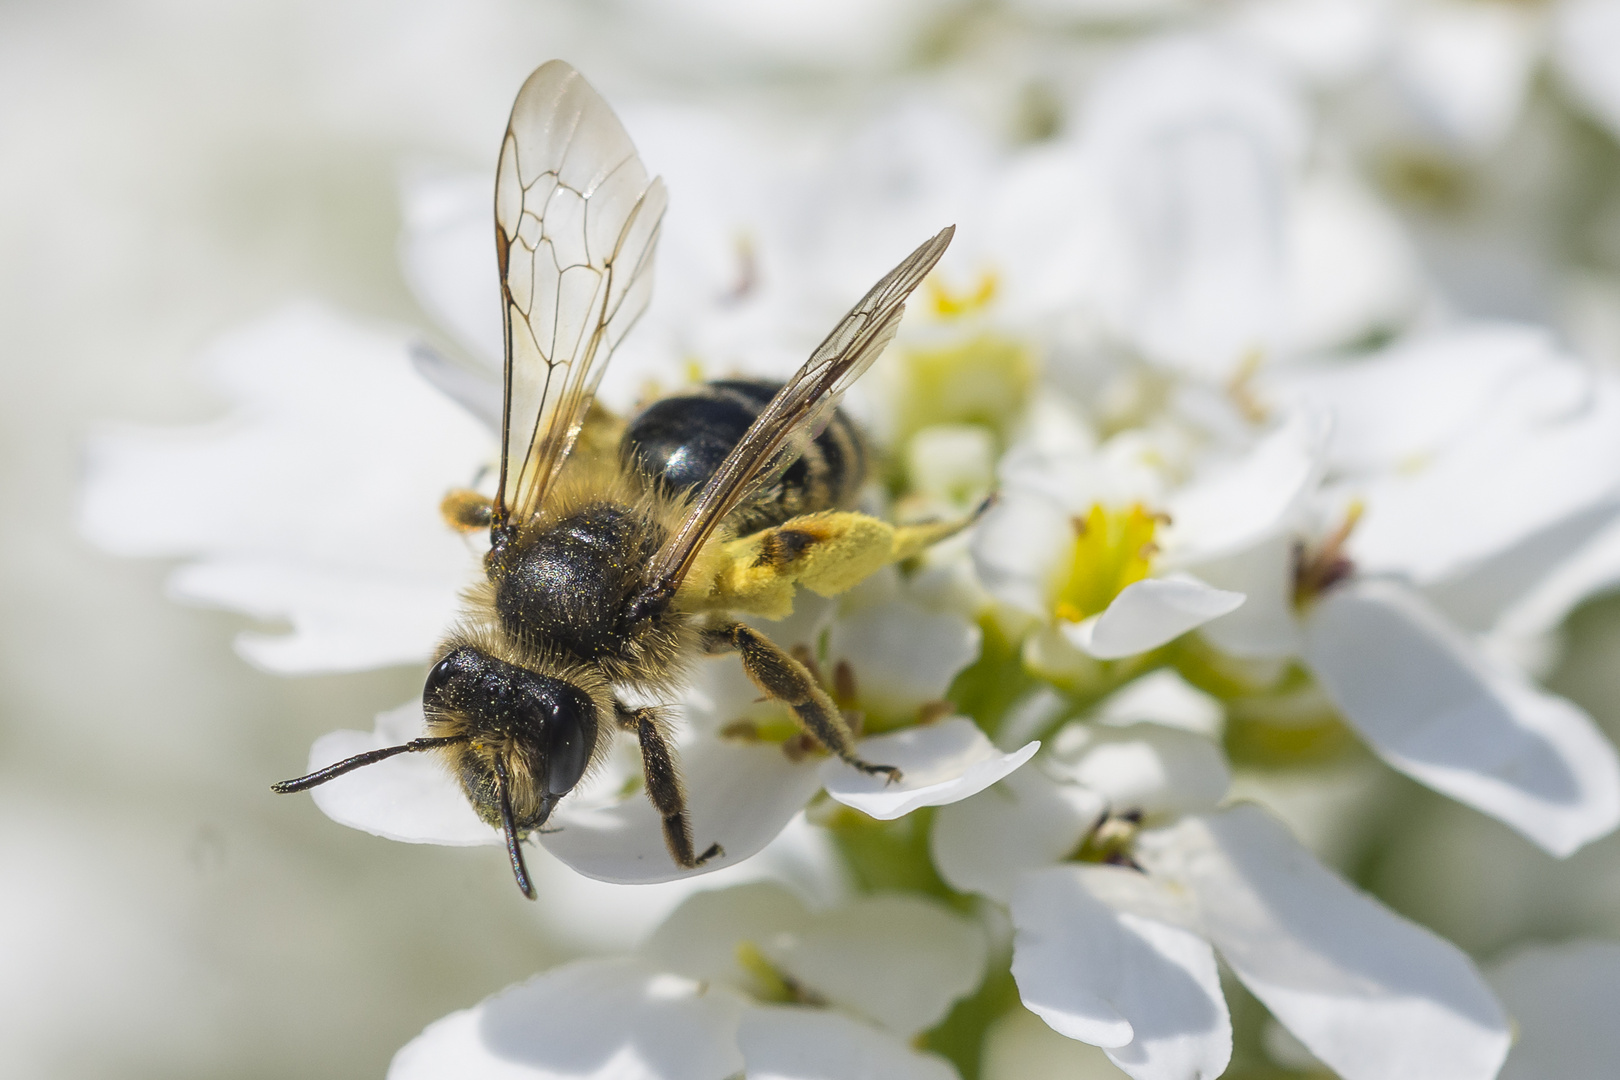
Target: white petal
pixel 1467 67
pixel 589 1020
pixel 1353 272
pixel 1162 697
pixel 902 654
pixel 602 917
pixel 1546 448
pixel 446 257
pixel 343 619
pixel 1018 545
pixel 1265 626
pixel 1593 568
pixel 335 442
pixel 898 960
pixel 1586 34
pixel 1410 401
pixel 1025 822
pixel 790 1043
pixel 1372 995
pixel 1250 499
pixel 411 797
pixel 1432 707
pixel 738 795
pixel 1150 613
pixel 1146 767
pixel 1144 989
pixel 940 763
pixel 1196 144
pixel 1562 1000
pixel 700 938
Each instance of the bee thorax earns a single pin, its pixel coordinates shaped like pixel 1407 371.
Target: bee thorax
pixel 568 584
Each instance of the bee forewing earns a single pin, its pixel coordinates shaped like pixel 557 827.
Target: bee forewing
pixel 576 222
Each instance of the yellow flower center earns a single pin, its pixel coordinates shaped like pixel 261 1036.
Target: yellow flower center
pixel 984 380
pixel 948 304
pixel 1112 549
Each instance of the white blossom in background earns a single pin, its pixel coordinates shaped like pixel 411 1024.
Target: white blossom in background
pixel 1119 950
pixel 743 980
pixel 314 502
pixel 1465 466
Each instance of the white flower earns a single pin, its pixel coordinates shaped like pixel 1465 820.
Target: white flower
pixel 1120 951
pixel 708 994
pixel 1198 229
pixel 745 780
pixel 1473 487
pixel 1104 545
pixel 314 502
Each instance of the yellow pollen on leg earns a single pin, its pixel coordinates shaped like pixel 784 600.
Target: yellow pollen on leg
pixel 1112 548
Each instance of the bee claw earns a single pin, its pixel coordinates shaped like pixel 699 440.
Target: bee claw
pixel 893 774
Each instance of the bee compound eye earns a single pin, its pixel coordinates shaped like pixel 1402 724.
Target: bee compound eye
pixel 570 739
pixel 438 679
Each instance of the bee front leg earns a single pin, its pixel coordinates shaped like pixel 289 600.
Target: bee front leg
pixel 790 682
pixel 664 785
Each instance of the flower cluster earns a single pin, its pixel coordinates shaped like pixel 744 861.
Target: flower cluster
pixel 1268 505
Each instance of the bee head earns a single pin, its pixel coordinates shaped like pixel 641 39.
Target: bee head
pixel 528 737
pixel 518 741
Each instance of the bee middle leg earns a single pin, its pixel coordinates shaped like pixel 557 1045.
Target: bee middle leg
pixel 664 785
pixel 790 682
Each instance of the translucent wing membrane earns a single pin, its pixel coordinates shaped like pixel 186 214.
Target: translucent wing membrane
pixel 576 221
pixel 798 411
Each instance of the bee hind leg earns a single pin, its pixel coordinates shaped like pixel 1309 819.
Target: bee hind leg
pixel 790 682
pixel 664 788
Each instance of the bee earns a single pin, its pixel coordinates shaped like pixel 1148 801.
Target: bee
pixel 610 571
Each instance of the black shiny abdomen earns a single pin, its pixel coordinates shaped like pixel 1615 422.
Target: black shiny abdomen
pixel 681 441
pixel 567 585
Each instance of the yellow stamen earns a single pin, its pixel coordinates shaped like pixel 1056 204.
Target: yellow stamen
pixel 1112 549
pixel 949 305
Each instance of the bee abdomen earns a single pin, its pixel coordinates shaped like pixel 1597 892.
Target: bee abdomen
pixel 679 442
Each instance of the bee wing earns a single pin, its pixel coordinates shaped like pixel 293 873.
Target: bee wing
pixel 576 221
pixel 796 414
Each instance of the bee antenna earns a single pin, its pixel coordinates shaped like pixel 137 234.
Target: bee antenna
pixel 513 851
pixel 370 757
